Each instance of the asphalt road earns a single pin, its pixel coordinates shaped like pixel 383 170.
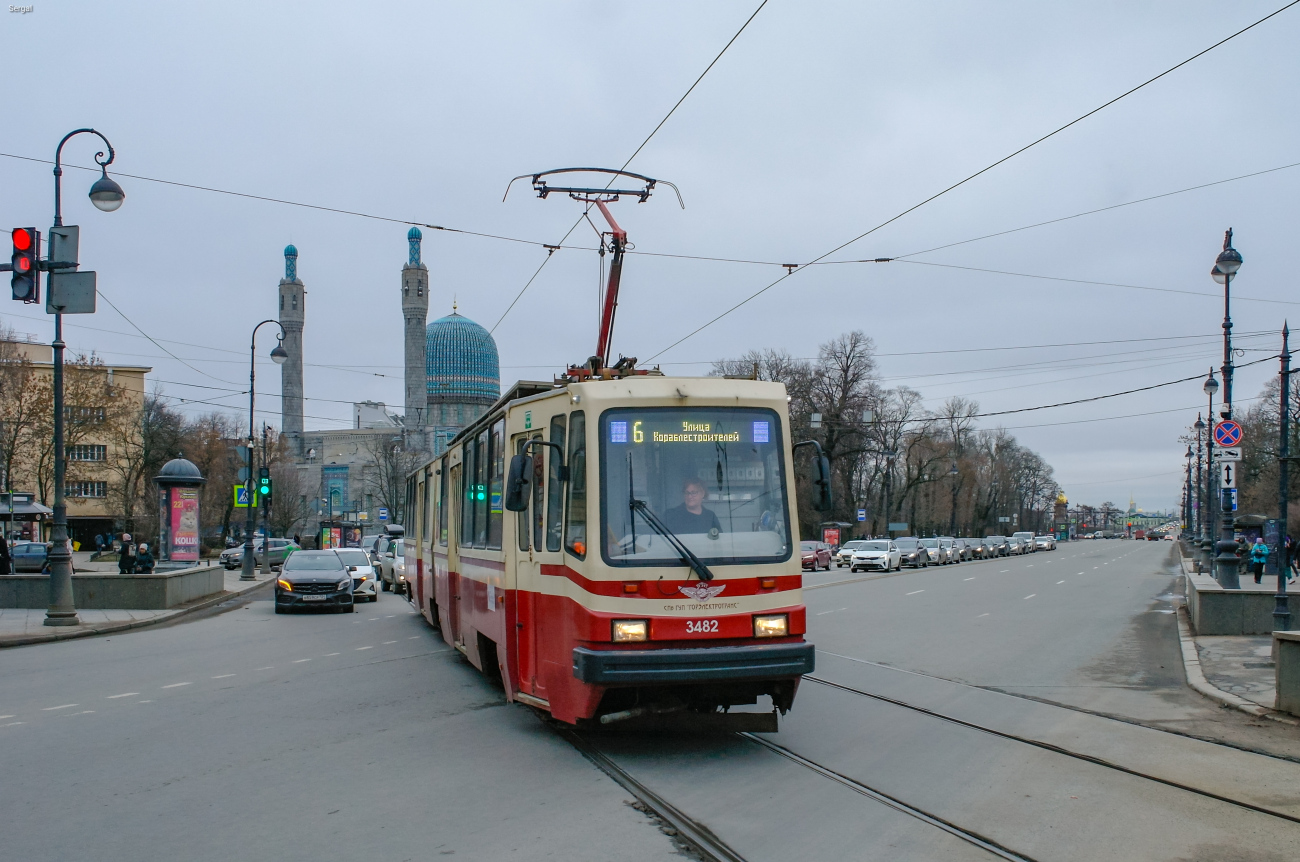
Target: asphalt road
pixel 303 737
pixel 1028 708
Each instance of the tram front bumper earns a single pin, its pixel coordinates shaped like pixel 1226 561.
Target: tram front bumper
pixel 662 666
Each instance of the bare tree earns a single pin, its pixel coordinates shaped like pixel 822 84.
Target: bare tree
pixel 385 477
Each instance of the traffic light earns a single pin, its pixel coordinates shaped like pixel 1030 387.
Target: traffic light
pixel 26 278
pixel 264 482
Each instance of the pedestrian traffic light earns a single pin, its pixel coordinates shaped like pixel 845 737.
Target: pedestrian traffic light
pixel 26 278
pixel 264 482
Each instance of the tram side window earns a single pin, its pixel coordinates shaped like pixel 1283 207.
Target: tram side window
pixel 536 514
pixel 442 503
pixel 467 496
pixel 521 526
pixel 426 536
pixel 496 479
pixel 481 456
pixel 555 489
pixel 575 534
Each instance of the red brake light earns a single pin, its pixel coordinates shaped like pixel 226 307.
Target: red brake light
pixel 22 239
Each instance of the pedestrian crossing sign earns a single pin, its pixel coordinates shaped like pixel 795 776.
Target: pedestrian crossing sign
pixel 241 497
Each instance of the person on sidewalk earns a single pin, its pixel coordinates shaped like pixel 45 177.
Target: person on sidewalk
pixel 1291 567
pixel 1258 557
pixel 143 560
pixel 126 560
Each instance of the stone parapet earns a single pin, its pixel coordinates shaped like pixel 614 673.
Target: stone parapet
pixel 1216 611
pixel 104 590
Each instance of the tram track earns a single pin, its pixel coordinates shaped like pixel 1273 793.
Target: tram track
pixel 1045 746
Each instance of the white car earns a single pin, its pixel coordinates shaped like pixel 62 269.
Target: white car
pixel 879 554
pixel 844 556
pixel 1045 543
pixel 365 580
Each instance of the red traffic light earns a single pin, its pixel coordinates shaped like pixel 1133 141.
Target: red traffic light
pixel 22 264
pixel 22 239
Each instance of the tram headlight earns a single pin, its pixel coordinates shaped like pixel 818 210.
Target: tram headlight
pixel 626 631
pixel 772 626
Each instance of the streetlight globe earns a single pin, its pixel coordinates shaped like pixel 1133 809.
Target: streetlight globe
pixel 1217 274
pixel 1211 386
pixel 1199 426
pixel 106 194
pixel 279 355
pixel 1228 261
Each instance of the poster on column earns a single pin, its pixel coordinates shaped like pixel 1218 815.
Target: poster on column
pixel 185 524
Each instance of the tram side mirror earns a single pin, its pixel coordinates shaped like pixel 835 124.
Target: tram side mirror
pixel 822 485
pixel 517 483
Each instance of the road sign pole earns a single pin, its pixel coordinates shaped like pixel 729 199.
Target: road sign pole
pixel 1227 434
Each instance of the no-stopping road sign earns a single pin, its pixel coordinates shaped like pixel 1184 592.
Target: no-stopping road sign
pixel 1227 433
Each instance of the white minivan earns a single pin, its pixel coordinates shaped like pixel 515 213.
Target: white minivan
pixel 1026 536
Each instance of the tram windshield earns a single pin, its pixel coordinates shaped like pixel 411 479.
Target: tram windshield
pixel 713 477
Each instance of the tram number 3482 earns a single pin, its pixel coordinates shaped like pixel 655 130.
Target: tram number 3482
pixel 701 626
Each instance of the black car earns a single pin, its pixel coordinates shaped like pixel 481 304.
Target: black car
pixel 314 579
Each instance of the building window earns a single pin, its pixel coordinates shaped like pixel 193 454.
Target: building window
pixel 295 302
pixel 84 415
pixel 86 489
pixel 87 452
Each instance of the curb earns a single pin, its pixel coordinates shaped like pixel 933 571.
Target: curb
pixel 110 628
pixel 1196 678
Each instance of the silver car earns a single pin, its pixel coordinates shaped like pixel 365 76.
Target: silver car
pixel 391 566
pixel 1045 543
pixel 844 556
pixel 365 580
pixel 938 553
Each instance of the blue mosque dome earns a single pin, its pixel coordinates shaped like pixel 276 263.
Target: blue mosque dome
pixel 414 233
pixel 461 362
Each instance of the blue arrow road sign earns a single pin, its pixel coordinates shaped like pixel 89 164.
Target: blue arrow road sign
pixel 1227 433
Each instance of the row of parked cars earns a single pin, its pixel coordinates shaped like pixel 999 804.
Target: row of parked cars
pixel 383 555
pixel 888 555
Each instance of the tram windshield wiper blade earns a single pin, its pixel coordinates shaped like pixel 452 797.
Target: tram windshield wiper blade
pixel 688 556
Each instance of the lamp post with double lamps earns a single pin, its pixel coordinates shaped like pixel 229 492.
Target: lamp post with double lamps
pixel 107 196
pixel 1207 520
pixel 1226 266
pixel 278 356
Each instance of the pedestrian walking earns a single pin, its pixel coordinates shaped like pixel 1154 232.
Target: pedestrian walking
pixel 126 560
pixel 99 543
pixel 1258 557
pixel 297 540
pixel 1291 566
pixel 143 560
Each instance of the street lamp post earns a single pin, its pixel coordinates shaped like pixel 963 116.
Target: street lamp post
pixel 1226 266
pixel 278 356
pixel 107 196
pixel 1200 487
pixel 1207 521
pixel 1281 611
pixel 1187 495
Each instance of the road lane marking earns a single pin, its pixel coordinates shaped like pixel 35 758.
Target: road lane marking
pixel 268 667
pixel 914 592
pixel 11 724
pixel 65 706
pixel 223 676
pixel 177 684
pixel 982 615
pixel 1031 595
pixel 144 701
pixel 968 579
pixel 328 654
pixel 1030 566
pixel 1004 571
pixel 83 712
pixel 3 717
pixel 110 697
pixel 1058 583
pixel 390 616
pixel 365 647
pixel 412 637
pixel 299 660
pixel 386 643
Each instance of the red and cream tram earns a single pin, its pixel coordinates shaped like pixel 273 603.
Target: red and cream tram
pixel 619 544
pixel 653 566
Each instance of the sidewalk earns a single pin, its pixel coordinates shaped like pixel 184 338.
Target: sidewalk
pixel 1236 670
pixel 21 626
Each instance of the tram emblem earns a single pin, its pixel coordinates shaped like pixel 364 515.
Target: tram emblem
pixel 702 592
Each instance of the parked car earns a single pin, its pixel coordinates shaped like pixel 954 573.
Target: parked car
pixel 392 566
pixel 951 548
pixel 365 580
pixel 1016 546
pixel 979 549
pixel 938 555
pixel 879 554
pixel 816 555
pixel 844 556
pixel 912 552
pixel 999 544
pixel 29 556
pixel 314 579
pixel 233 558
pixel 1027 538
pixel 1045 543
pixel 963 551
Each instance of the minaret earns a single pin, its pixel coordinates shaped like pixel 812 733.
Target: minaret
pixel 415 315
pixel 293 307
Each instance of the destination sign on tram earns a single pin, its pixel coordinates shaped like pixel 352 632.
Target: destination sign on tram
pixel 696 429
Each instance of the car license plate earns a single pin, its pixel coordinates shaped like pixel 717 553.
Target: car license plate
pixel 314 598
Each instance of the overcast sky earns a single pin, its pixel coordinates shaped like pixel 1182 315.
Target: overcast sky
pixel 823 120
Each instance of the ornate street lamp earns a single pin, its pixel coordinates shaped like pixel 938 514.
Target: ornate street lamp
pixel 1226 266
pixel 1211 388
pixel 278 356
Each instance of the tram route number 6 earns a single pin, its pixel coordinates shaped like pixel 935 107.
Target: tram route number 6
pixel 701 626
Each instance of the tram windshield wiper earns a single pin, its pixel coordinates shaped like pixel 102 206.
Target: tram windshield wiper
pixel 688 556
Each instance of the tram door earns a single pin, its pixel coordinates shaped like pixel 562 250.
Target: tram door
pixel 527 573
pixel 543 561
pixel 455 499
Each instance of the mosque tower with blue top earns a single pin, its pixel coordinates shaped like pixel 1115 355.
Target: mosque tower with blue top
pixel 415 313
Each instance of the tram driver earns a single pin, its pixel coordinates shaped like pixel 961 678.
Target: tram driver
pixel 691 516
